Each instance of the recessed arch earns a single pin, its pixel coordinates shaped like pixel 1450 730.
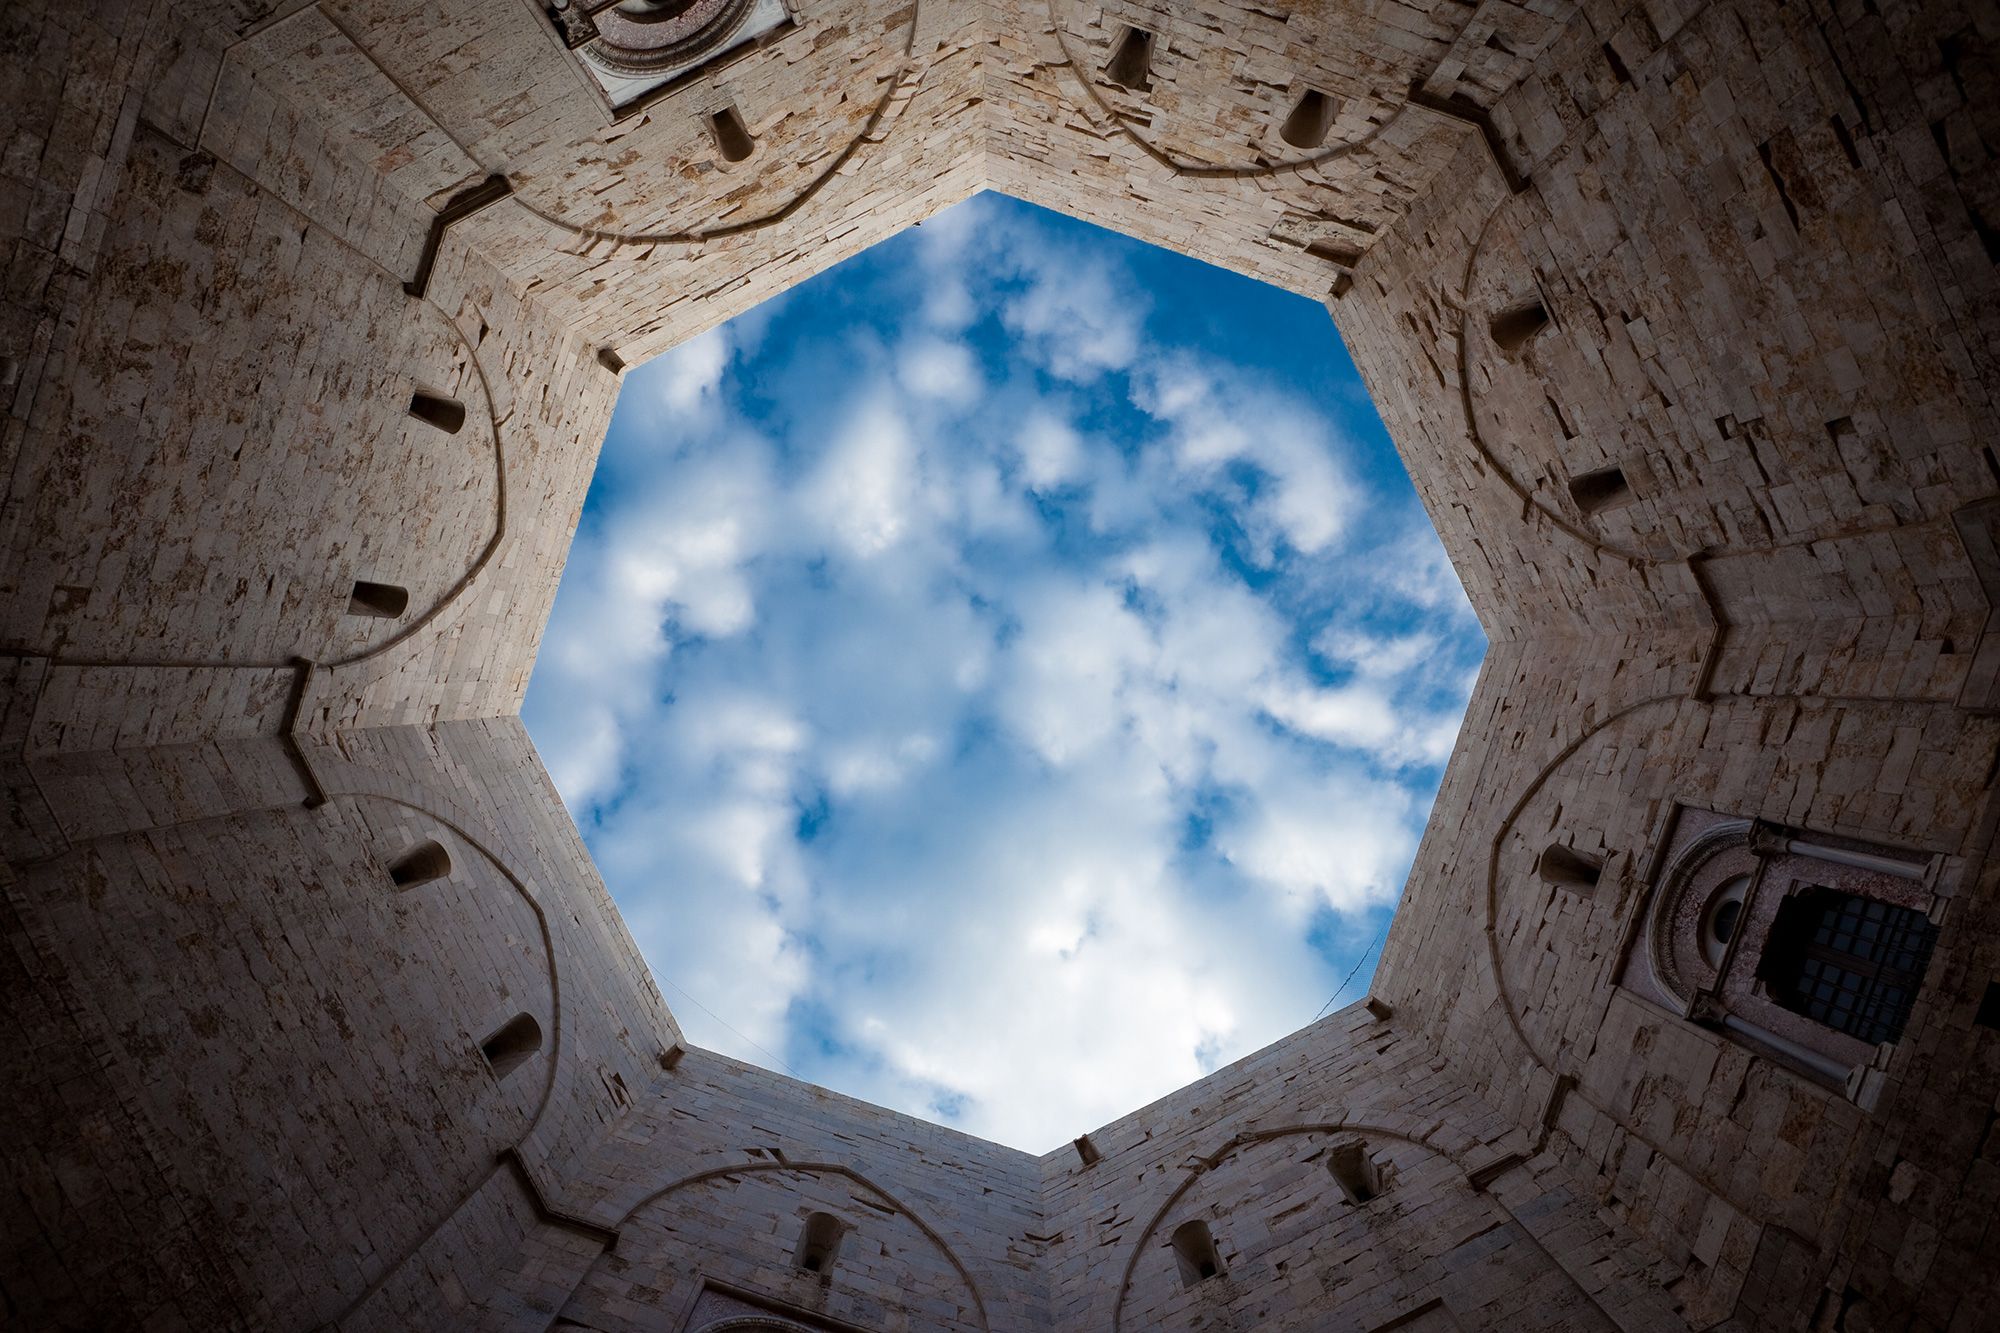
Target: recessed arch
pixel 1567 868
pixel 1311 118
pixel 733 139
pixel 1132 60
pixel 819 1243
pixel 890 1203
pixel 380 601
pixel 434 409
pixel 1195 1254
pixel 1418 1135
pixel 425 863
pixel 512 1044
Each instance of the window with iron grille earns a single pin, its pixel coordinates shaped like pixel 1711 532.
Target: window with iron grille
pixel 1851 963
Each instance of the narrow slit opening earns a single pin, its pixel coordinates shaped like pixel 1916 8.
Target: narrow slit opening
pixel 1132 61
pixel 1567 868
pixel 1512 328
pixel 1355 1172
pixel 422 864
pixel 1195 1253
pixel 510 1047
pixel 819 1243
pixel 1310 120
pixel 434 409
pixel 382 600
pixel 1989 1007
pixel 732 136
pixel 1601 489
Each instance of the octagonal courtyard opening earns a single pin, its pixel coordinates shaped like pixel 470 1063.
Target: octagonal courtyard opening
pixel 1005 677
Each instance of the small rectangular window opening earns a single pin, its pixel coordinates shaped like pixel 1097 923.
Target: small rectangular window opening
pixel 732 136
pixel 434 409
pixel 1567 868
pixel 510 1047
pixel 1605 488
pixel 819 1243
pixel 1850 963
pixel 1989 1007
pixel 377 599
pixel 1354 1171
pixel 1132 61
pixel 423 863
pixel 1195 1253
pixel 1511 329
pixel 1310 120
pixel 1335 251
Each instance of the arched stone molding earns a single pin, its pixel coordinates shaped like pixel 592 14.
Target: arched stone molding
pixel 894 1206
pixel 1085 48
pixel 1673 957
pixel 205 691
pixel 354 783
pixel 463 836
pixel 1563 1080
pixel 1433 1137
pixel 883 117
pixel 459 824
pixel 1497 271
pixel 1510 1004
pixel 391 633
pixel 1098 106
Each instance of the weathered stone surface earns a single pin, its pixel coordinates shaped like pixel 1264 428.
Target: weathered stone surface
pixel 1742 252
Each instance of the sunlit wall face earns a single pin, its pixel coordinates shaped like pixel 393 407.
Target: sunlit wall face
pixel 1006 677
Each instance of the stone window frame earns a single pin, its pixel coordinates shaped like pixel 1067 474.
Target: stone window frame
pixel 1700 858
pixel 785 31
pixel 1859 961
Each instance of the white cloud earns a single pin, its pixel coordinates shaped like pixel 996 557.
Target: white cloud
pixel 1376 655
pixel 863 491
pixel 935 368
pixel 1218 416
pixel 1050 452
pixel 1341 842
pixel 926 726
pixel 687 377
pixel 1073 318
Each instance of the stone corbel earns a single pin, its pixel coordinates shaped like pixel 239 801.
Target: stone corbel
pixel 1978 527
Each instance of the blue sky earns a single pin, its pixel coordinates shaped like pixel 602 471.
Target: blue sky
pixel 1005 677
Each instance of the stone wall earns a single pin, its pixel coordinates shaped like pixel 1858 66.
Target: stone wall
pixel 287 1034
pixel 1681 315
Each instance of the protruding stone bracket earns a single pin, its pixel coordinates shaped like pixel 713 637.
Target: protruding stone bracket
pixel 1978 527
pixel 573 21
pixel 1481 1177
pixel 606 1236
pixel 460 207
pixel 1559 1090
pixel 294 749
pixel 1470 113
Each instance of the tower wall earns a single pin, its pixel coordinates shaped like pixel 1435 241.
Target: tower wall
pixel 1740 253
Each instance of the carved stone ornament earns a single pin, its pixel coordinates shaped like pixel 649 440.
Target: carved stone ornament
pixel 639 37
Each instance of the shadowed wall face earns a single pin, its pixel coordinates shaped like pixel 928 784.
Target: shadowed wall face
pixel 246 1087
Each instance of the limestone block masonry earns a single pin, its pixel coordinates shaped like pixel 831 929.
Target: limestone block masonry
pixel 1685 318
